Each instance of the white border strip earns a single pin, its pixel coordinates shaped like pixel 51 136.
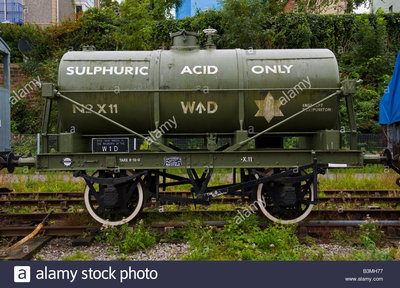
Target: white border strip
pixel 336 165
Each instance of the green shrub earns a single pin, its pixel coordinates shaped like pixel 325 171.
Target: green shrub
pixel 26 120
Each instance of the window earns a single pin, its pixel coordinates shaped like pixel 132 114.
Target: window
pixel 78 11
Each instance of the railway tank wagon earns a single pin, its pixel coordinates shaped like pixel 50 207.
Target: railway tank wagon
pixel 239 105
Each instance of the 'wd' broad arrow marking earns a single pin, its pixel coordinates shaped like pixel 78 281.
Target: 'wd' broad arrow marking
pixel 188 107
pixel 200 108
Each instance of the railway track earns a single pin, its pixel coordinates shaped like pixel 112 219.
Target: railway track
pixel 17 225
pixel 315 227
pixel 320 221
pixel 66 200
pixel 372 202
pixel 9 194
pixel 317 214
pixel 65 203
pixel 333 205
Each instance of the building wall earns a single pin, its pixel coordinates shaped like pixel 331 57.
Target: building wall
pixel 86 4
pixel 39 12
pixel 190 7
pixel 44 12
pixel 385 4
pixel 67 10
pixel 18 80
pixel 338 8
pixel 17 76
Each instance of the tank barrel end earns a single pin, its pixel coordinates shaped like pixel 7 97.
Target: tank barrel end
pixel 373 159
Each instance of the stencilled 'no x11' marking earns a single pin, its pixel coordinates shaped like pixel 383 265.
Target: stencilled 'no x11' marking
pixel 99 108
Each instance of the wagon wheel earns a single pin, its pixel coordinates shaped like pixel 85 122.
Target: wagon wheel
pixel 122 213
pixel 286 214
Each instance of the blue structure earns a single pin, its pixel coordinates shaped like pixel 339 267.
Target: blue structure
pixel 12 11
pixel 5 138
pixel 389 107
pixel 190 7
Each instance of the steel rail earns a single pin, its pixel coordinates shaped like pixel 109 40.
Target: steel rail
pixel 14 201
pixel 317 214
pixel 339 192
pixel 392 228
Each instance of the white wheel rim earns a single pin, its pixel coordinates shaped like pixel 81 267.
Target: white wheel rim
pixel 277 220
pixel 105 221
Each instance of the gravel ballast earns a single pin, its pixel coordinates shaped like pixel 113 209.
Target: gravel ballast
pixel 59 248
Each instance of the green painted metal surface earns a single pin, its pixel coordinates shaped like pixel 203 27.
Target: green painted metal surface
pixel 196 159
pixel 206 91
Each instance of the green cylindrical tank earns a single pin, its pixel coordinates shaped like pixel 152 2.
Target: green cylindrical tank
pixel 202 91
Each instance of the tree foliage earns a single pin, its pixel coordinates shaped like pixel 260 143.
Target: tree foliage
pixel 365 45
pixel 112 4
pixel 353 4
pixel 137 20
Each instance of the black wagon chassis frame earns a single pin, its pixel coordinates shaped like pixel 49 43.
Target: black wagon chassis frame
pixel 201 193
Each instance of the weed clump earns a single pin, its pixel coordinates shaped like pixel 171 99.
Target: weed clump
pixel 367 242
pixel 245 241
pixel 127 239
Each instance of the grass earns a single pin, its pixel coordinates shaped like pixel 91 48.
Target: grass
pixel 188 216
pixel 369 177
pixel 353 180
pixel 370 168
pixel 79 218
pixel 21 210
pixel 78 256
pixel 3 242
pixel 350 204
pixel 45 183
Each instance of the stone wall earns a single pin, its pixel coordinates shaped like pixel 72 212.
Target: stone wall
pixel 18 81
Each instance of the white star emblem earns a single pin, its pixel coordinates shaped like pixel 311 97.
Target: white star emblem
pixel 268 108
